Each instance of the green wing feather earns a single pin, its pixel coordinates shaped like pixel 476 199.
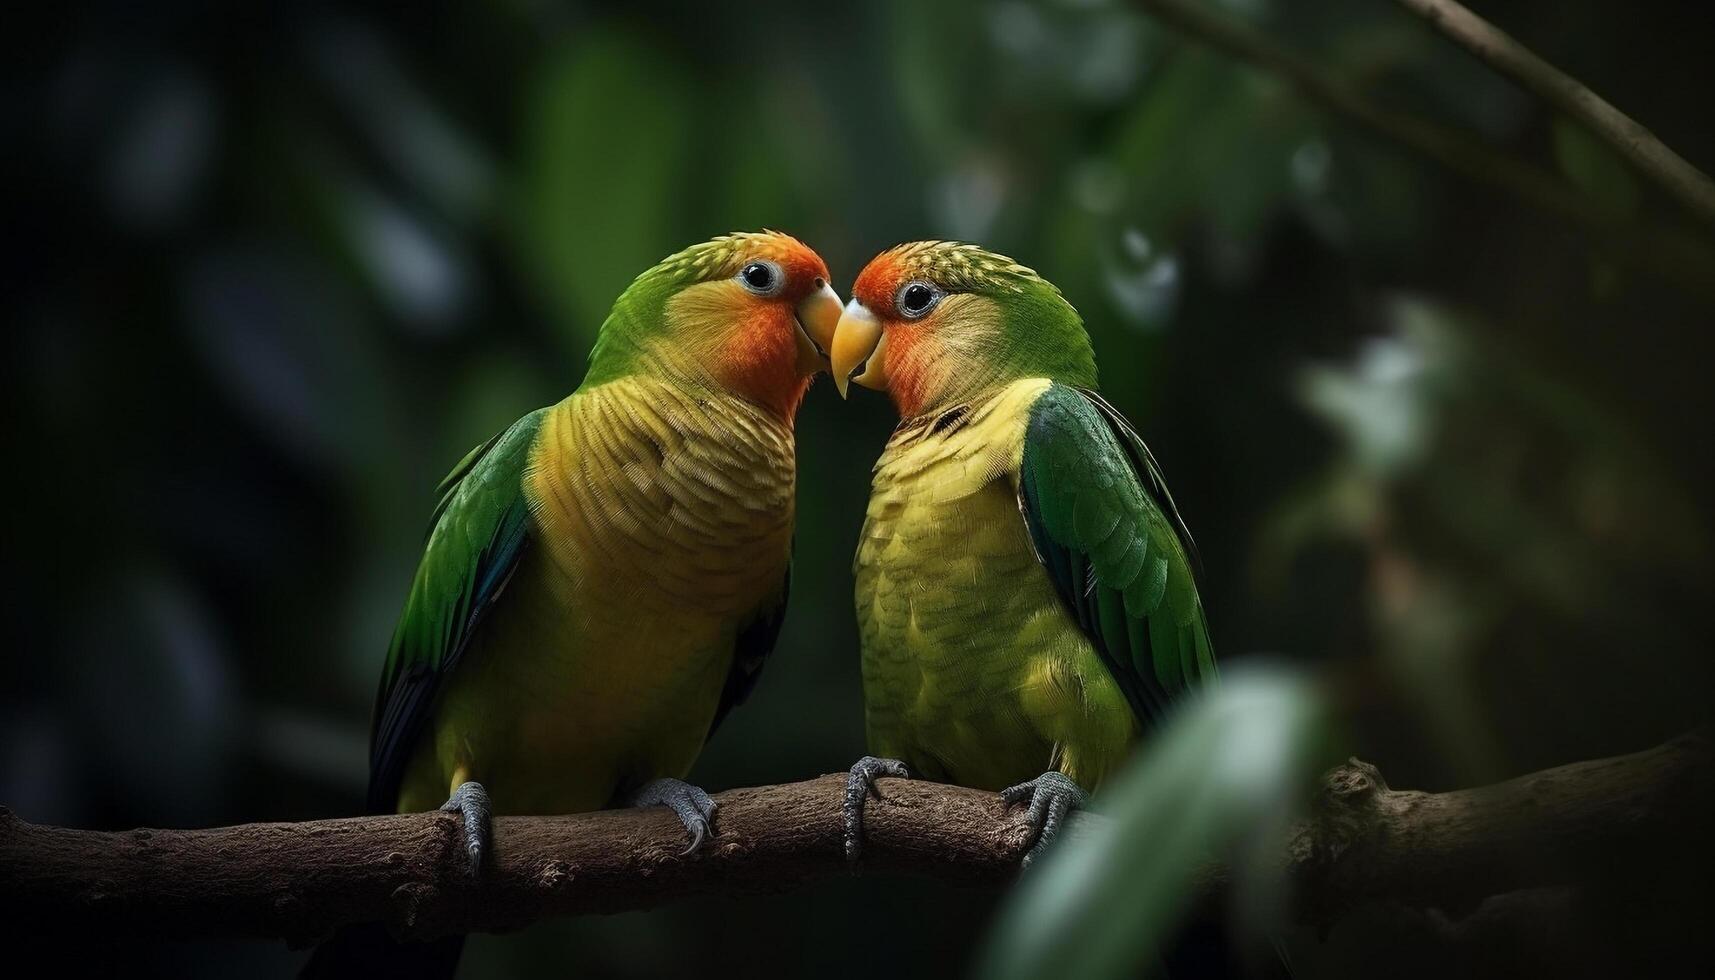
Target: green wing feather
pixel 479 530
pixel 1107 531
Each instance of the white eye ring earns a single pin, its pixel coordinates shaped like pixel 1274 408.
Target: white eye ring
pixel 762 277
pixel 923 297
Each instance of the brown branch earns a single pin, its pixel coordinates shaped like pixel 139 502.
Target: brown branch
pixel 1365 843
pixel 1640 147
pixel 1685 259
pixel 1628 817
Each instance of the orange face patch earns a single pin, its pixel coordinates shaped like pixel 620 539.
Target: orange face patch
pixel 804 270
pixel 760 359
pixel 877 287
pixel 761 362
pixel 878 283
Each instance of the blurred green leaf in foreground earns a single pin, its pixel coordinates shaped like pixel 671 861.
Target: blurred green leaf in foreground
pixel 1218 783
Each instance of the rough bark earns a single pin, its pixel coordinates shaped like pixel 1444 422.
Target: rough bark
pixel 1630 817
pixel 1364 843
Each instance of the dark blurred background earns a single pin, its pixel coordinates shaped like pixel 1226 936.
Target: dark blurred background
pixel 275 267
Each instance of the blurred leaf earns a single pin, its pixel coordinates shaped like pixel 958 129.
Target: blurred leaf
pixel 1382 193
pixel 418 269
pixel 1142 280
pixel 291 349
pixel 1442 400
pixel 606 138
pixel 1595 168
pixel 1221 776
pixel 781 158
pixel 1379 404
pixel 1207 148
pixel 1208 135
pixel 934 51
pixel 163 151
pixel 439 159
pixel 154 691
pixel 297 742
pixel 968 198
pixel 144 129
pixel 1487 489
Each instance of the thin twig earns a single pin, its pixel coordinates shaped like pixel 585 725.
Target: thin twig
pixel 1650 156
pixel 1688 261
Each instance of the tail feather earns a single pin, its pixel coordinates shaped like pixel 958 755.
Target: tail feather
pixel 367 951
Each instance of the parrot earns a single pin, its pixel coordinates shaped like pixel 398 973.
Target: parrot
pixel 1026 591
pixel 604 579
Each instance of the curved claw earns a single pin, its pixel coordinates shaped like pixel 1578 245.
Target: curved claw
pixel 1052 796
pixel 860 785
pixel 470 802
pixel 699 831
pixel 694 808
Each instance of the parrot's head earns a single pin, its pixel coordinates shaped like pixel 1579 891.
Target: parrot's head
pixel 935 324
pixel 749 313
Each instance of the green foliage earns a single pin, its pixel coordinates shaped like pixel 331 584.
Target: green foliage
pixel 1218 782
pixel 1595 168
pixel 278 273
pixel 1481 489
pixel 606 149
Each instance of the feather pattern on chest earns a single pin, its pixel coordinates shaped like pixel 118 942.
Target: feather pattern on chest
pixel 664 498
pixel 973 671
pixel 662 530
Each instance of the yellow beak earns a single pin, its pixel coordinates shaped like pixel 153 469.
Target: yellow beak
pixel 818 314
pixel 859 350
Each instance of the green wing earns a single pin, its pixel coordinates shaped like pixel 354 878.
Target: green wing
pixel 1105 528
pixel 479 529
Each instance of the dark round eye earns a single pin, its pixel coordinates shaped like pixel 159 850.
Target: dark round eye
pixel 761 278
pixel 917 298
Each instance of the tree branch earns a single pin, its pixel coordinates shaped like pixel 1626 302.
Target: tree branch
pixel 1495 48
pixel 1685 259
pixel 1632 817
pixel 1364 843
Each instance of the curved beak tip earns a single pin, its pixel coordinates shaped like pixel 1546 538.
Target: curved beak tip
pixel 818 315
pixel 854 355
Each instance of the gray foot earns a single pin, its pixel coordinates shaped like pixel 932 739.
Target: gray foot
pixel 860 786
pixel 1051 797
pixel 693 806
pixel 470 802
